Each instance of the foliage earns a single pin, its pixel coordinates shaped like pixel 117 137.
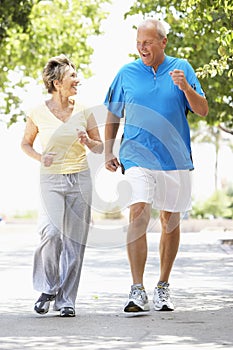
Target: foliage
pixel 230 206
pixel 27 215
pixel 14 13
pixel 219 205
pixel 46 29
pixel 154 213
pixel 215 136
pixel 113 213
pixel 201 31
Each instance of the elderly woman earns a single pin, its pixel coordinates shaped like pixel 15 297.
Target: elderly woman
pixel 65 129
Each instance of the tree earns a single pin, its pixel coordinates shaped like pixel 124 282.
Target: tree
pixel 201 31
pixel 14 13
pixel 215 136
pixel 51 27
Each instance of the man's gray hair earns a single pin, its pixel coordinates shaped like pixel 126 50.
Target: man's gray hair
pixel 158 25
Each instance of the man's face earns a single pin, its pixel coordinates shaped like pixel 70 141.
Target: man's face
pixel 150 46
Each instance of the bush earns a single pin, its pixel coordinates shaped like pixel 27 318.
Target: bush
pixel 114 213
pixel 219 205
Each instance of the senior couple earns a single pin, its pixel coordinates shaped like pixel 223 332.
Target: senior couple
pixel 154 94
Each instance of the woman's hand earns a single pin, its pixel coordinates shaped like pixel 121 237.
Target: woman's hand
pixel 91 139
pixel 47 159
pixel 82 137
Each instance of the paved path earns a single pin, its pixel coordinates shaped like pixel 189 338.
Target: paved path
pixel 201 285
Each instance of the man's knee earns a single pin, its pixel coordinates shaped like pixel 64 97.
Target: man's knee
pixel 139 211
pixel 169 221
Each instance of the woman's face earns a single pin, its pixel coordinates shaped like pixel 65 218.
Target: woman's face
pixel 69 83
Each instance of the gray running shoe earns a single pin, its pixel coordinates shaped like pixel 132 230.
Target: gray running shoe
pixel 138 300
pixel 43 303
pixel 161 299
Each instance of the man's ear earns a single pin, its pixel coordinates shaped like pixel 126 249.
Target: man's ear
pixel 164 42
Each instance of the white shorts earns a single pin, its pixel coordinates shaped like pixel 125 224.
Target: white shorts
pixel 165 190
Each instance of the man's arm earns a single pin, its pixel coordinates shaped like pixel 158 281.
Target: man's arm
pixel 198 103
pixel 111 128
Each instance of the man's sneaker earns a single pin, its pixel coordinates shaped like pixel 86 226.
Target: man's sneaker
pixel 138 300
pixel 67 312
pixel 161 299
pixel 43 303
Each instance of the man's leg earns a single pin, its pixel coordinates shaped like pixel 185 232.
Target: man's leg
pixel 137 254
pixel 169 244
pixel 136 239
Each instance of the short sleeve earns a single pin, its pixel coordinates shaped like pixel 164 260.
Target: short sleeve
pixel 193 80
pixel 33 113
pixel 115 100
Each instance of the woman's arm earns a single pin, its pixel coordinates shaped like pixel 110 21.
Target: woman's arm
pixel 91 138
pixel 29 136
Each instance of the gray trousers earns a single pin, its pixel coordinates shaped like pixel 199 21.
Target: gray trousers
pixel 63 225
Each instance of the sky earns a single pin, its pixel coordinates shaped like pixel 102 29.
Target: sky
pixel 19 177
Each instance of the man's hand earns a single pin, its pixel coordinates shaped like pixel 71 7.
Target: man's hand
pixel 179 79
pixel 198 103
pixel 112 163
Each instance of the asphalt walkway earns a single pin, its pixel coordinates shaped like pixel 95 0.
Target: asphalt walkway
pixel 201 286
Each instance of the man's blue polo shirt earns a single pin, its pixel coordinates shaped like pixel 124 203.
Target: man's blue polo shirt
pixel 156 131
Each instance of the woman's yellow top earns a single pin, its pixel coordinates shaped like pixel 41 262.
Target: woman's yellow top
pixel 61 138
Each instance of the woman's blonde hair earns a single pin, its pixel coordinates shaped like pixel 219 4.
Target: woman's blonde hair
pixel 55 69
